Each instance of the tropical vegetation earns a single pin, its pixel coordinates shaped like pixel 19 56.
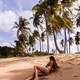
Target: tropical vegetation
pixel 49 18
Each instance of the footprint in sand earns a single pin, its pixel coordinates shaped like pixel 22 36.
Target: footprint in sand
pixel 70 63
pixel 68 68
pixel 76 76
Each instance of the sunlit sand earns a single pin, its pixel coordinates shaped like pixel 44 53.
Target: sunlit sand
pixel 22 68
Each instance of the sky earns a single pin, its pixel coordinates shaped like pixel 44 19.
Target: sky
pixel 10 10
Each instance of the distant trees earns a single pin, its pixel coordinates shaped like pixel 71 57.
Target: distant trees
pixel 7 52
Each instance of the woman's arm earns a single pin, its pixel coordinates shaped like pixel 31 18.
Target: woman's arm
pixel 48 64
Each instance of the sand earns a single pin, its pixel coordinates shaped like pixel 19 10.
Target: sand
pixel 21 68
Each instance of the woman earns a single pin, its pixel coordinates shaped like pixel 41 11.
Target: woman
pixel 51 66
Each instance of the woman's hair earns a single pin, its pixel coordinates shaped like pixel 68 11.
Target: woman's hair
pixel 53 59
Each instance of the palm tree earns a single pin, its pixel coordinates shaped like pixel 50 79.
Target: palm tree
pixel 23 33
pixel 41 10
pixel 67 20
pixel 77 40
pixel 21 27
pixel 54 15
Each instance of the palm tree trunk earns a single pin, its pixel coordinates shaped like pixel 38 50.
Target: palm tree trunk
pixel 65 44
pixel 18 34
pixel 40 44
pixel 55 41
pixel 47 32
pixel 69 48
pixel 78 48
pixel 47 42
pixel 42 47
pixel 69 43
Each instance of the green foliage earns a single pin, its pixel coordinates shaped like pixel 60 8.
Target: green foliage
pixel 52 2
pixel 36 34
pixel 39 53
pixel 7 52
pixel 23 33
pixel 55 13
pixel 31 41
pixel 68 3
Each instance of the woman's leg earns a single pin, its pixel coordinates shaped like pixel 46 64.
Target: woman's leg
pixel 36 73
pixel 42 69
pixel 38 69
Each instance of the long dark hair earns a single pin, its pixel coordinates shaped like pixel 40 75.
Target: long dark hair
pixel 55 65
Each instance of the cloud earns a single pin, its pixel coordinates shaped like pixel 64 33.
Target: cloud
pixel 27 14
pixel 7 19
pixel 7 44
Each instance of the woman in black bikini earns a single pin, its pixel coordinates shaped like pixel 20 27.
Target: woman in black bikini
pixel 51 66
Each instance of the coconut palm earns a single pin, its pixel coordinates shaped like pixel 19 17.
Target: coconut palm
pixel 54 14
pixel 66 16
pixel 21 26
pixel 41 10
pixel 23 33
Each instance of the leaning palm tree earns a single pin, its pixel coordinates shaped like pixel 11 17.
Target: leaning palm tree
pixel 54 15
pixel 67 4
pixel 48 32
pixel 41 9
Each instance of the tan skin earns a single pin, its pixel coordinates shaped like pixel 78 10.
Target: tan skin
pixel 45 69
